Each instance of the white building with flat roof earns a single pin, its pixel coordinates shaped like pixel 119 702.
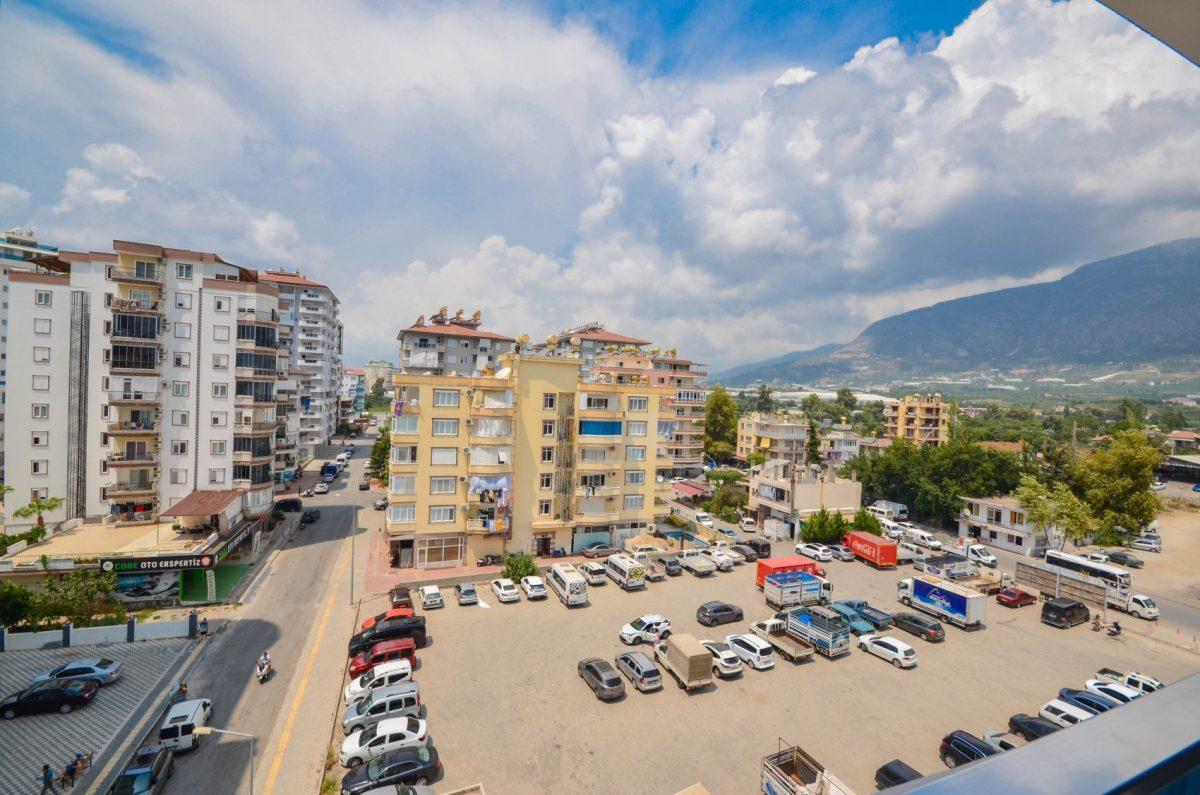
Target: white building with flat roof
pixel 1001 522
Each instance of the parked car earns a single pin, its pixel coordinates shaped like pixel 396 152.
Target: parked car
pixel 851 619
pixel 818 552
pixel 321 488
pixel 431 597
pixel 840 552
pixel 100 670
pixel 703 519
pixel 395 612
pixel 380 504
pixel 289 505
pixel 594 573
pixel 747 552
pixel 604 681
pixel 387 735
pixel 400 700
pixel 726 663
pixel 392 770
pixel 650 628
pixel 722 561
pixel 1095 557
pixel 385 674
pixel 1064 714
pixel 1015 597
pixel 391 629
pixel 599 550
pixel 670 565
pixel 533 587
pixel 505 590
pixel 54 695
pixel 747 525
pixel 922 626
pixel 895 773
pixel 1064 613
pixel 384 651
pixel 885 647
pixel 1031 727
pixel 364 485
pixel 753 650
pixel 1157 485
pixel 961 748
pixel 465 593
pixel 760 545
pixel 640 670
pixel 1087 701
pixel 711 614
pixel 400 596
pixel 1196 488
pixel 310 516
pixel 1003 741
pixel 1147 544
pixel 147 772
pixel 1123 558
pixel 1115 691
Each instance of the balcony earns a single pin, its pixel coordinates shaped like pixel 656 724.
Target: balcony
pixel 132 396
pixel 259 372
pixel 495 441
pixel 142 460
pixel 122 490
pixel 254 428
pixel 124 337
pixel 606 465
pixel 127 428
pixel 611 412
pixel 480 527
pixel 132 306
pixel 262 316
pixel 140 367
pixel 254 400
pixel 600 517
pixel 597 491
pixel 250 457
pixel 118 273
pixel 133 517
pixel 489 469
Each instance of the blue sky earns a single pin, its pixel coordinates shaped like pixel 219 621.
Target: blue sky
pixel 780 174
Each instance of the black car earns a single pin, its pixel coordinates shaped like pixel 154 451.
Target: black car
pixel 895 773
pixel 55 695
pixel 1085 700
pixel 310 516
pixel 746 551
pixel 670 565
pixel 922 626
pixel 1123 558
pixel 290 505
pixel 761 546
pixel 391 629
pixel 406 766
pixel 147 773
pixel 712 614
pixel 364 485
pixel 960 747
pixel 1031 727
pixel 1064 613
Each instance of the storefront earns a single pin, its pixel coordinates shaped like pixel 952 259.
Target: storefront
pixel 440 551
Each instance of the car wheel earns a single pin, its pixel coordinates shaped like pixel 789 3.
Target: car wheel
pixel 906 601
pixel 1025 737
pixel 949 760
pixel 896 663
pixel 422 781
pixel 64 709
pixel 9 714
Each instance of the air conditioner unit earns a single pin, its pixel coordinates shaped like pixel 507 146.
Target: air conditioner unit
pixel 470 423
pixel 465 506
pixel 466 449
pixel 470 392
pixel 462 478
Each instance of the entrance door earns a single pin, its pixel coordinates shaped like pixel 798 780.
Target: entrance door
pixel 544 545
pixel 406 554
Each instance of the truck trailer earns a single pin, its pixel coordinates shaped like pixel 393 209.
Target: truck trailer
pixel 879 552
pixel 964 607
pixel 783 565
pixel 791 771
pixel 796 589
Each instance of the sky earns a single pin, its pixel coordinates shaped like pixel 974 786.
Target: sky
pixel 735 180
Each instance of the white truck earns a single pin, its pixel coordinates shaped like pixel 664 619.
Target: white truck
pixel 791 771
pixel 964 607
pixel 697 564
pixel 1055 581
pixel 1140 682
pixel 976 553
pixel 796 589
pixel 898 510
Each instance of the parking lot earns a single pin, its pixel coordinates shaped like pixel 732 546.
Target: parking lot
pixel 28 742
pixel 506 707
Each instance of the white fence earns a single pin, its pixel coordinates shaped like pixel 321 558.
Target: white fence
pixel 93 636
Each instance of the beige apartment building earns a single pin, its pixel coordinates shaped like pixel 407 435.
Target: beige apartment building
pixel 528 457
pixel 782 436
pixel 921 419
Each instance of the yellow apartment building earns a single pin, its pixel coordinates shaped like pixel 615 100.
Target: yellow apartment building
pixel 528 458
pixel 921 419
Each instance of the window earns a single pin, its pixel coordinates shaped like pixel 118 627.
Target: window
pixel 402 514
pixel 635 453
pixel 404 454
pixel 442 485
pixel 220 390
pixel 183 270
pixel 547 455
pixel 639 403
pixel 220 361
pixel 548 400
pixel 41 355
pixel 633 501
pixel 41 383
pixel 179 418
pixel 635 428
pixel 635 477
pixel 180 388
pixel 995 515
pixel 445 427
pixel 545 481
pixel 592 454
pixel 179 447
pixel 221 333
pixel 38 494
pixel 544 507
pixel 445 397
pixel 217 447
pixel 402 484
pixel 547 427
pixel 183 359
pixel 222 303
pixel 179 476
pixel 441 513
pixel 183 331
pixel 41 325
pixel 39 467
pixel 216 475
pixel 443 456
pixel 41 411
pixel 42 297
pixel 594 402
pixel 405 424
pixel 217 419
pixel 183 300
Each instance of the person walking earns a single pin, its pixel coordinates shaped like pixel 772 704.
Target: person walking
pixel 48 781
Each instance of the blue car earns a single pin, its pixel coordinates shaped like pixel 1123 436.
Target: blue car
pixel 1086 701
pixel 851 619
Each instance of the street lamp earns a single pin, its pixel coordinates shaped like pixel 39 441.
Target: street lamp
pixel 203 730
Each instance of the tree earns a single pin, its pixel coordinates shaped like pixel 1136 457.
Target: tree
pixel 866 522
pixel 1054 506
pixel 812 444
pixel 78 595
pixel 723 476
pixel 16 604
pixel 380 451
pixel 755 459
pixel 1115 481
pixel 1172 420
pixel 720 425
pixel 824 527
pixel 763 401
pixel 518 565
pixel 845 402
pixel 38 506
pixel 375 397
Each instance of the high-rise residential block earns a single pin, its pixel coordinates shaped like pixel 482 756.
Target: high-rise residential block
pixel 450 345
pixel 784 436
pixel 921 419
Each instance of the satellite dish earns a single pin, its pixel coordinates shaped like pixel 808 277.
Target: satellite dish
pixel 552 340
pixel 576 342
pixel 504 372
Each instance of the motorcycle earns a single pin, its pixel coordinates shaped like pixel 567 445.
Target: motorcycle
pixel 1115 629
pixel 489 560
pixel 307 493
pixel 559 552
pixel 264 671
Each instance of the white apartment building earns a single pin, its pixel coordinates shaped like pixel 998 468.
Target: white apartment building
pixel 450 345
pixel 1001 522
pixel 141 376
pixel 784 436
pixel 311 335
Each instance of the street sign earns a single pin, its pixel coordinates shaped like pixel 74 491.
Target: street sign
pixel 210 582
pixel 158 563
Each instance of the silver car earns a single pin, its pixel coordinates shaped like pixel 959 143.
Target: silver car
pixel 640 670
pixel 402 700
pixel 100 670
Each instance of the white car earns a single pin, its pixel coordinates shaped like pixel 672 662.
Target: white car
pixel 747 524
pixel 321 488
pixel 753 650
pixel 1096 557
pixel 1060 713
pixel 383 675
pixel 390 734
pixel 505 590
pixel 533 587
pixel 1152 544
pixel 678 479
pixel 720 559
pixel 815 551
pixel 593 573
pixel 885 647
pixel 704 519
pixel 737 557
pixel 647 629
pixel 1113 691
pixel 726 663
pixel 1157 485
pixel 431 597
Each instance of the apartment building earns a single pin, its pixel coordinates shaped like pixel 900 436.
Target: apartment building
pixel 784 436
pixel 921 419
pixel 377 370
pixel 146 374
pixel 354 389
pixel 1001 522
pixel 310 332
pixel 789 492
pixel 588 342
pixel 528 458
pixel 450 345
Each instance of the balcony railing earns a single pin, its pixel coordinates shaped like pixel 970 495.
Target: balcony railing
pixel 135 305
pixel 126 428
pixel 255 427
pixel 130 489
pixel 132 396
pixel 141 275
pixel 146 459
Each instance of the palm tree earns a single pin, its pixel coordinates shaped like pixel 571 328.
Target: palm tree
pixel 37 506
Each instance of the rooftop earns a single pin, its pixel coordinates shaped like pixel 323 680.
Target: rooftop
pixel 283 277
pixel 203 503
pixel 93 540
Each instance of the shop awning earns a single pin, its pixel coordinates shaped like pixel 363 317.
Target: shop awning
pixel 203 503
pixel 687 490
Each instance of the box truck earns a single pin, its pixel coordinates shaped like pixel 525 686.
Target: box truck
pixel 820 628
pixel 946 600
pixel 796 589
pixel 686 660
pixel 783 565
pixel 878 551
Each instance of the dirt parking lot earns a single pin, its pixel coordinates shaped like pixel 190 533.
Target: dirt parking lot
pixel 506 707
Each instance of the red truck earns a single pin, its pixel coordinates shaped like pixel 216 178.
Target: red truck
pixel 879 552
pixel 784 565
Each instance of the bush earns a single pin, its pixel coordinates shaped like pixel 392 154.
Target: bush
pixel 866 522
pixel 824 527
pixel 518 565
pixel 677 521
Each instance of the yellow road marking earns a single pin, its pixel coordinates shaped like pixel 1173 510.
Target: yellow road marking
pixel 286 737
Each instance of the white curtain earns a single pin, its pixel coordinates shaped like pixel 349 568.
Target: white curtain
pixel 497 400
pixel 489 455
pixel 491 426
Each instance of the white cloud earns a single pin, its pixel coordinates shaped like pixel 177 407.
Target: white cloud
pixel 795 76
pixel 13 198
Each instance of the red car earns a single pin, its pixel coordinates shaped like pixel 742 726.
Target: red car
pixel 1015 597
pixel 400 596
pixel 385 650
pixel 395 612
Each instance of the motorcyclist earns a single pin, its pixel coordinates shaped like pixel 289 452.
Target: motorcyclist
pixel 264 662
pixel 1116 628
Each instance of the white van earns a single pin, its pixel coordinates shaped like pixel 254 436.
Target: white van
pixel 907 553
pixel 882 514
pixel 392 672
pixel 704 519
pixel 342 458
pixel 898 509
pixel 625 572
pixel 570 586
pixel 923 538
pixel 178 729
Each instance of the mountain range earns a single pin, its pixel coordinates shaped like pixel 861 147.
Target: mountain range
pixel 1137 308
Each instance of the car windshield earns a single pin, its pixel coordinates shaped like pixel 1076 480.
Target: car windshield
pixel 368 734
pixel 131 784
pixel 1148 602
pixel 467 589
pixel 374 768
pixel 639 624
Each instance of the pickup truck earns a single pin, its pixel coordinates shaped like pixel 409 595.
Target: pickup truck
pixel 686 660
pixel 791 771
pixel 774 631
pixel 697 564
pixel 877 618
pixel 796 588
pixel 820 628
pixel 1139 682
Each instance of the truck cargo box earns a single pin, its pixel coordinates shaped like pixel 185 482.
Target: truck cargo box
pixel 782 565
pixel 879 552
